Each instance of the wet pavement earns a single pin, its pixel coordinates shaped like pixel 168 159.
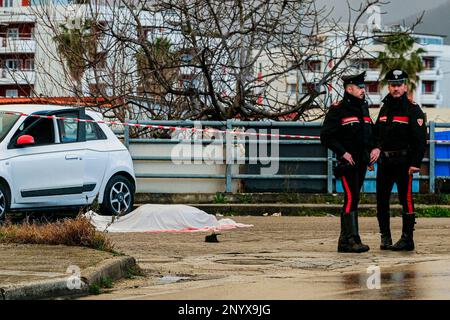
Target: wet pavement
pixel 424 280
pixel 286 258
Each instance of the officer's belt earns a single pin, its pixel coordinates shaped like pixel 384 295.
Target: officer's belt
pixel 396 153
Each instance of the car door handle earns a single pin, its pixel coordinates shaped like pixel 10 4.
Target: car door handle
pixel 71 157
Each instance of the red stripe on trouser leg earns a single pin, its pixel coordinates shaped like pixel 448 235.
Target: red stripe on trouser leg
pixel 348 194
pixel 409 195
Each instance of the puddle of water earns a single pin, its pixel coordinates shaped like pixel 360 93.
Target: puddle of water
pixel 426 280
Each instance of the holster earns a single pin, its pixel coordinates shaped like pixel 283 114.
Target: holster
pixel 341 168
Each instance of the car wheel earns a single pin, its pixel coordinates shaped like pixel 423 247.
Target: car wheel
pixel 118 197
pixel 4 202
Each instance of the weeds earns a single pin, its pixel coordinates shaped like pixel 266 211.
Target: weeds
pixel 434 211
pixel 69 232
pixel 134 271
pixel 245 198
pixel 104 283
pixel 220 198
pixel 94 289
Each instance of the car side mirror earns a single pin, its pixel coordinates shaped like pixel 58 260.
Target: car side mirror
pixel 25 140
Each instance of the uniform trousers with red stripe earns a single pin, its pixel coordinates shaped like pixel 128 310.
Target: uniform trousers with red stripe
pixel 387 175
pixel 352 182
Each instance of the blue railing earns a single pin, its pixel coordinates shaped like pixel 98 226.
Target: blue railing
pixel 229 176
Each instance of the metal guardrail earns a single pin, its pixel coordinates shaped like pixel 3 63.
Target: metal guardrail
pixel 229 176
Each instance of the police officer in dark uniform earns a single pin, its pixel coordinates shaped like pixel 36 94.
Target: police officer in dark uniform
pixel 400 137
pixel 347 131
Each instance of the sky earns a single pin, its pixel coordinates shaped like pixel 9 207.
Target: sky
pixel 435 21
pixel 395 9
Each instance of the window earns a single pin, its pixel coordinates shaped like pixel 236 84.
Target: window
pixel 367 64
pixel 306 87
pixel 187 57
pixel 12 64
pixel 13 33
pixel 292 88
pixel 312 66
pixel 93 131
pixel 29 64
pixel 8 3
pixel 429 41
pixel 68 130
pixel 11 93
pixel 372 87
pixel 40 129
pixel 363 65
pixel 428 87
pixel 429 63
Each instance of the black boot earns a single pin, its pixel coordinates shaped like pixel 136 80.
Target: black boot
pixel 385 231
pixel 349 240
pixel 406 242
pixel 386 241
pixel 355 230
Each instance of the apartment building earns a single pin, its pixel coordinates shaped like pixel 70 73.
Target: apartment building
pixel 17 49
pixel 433 87
pixel 430 87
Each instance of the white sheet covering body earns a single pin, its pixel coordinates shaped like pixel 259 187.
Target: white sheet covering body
pixel 163 218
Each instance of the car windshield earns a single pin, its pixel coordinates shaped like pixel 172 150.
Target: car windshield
pixel 7 121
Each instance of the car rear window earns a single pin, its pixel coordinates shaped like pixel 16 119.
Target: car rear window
pixel 68 129
pixel 93 131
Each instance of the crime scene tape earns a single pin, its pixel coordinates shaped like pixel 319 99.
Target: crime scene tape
pixel 173 128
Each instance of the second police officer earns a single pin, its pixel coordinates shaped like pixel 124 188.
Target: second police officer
pixel 400 135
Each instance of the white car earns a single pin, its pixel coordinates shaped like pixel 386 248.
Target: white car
pixel 51 163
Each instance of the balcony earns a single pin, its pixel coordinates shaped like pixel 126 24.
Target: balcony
pixel 27 77
pixel 293 76
pixel 373 98
pixel 431 74
pixel 431 98
pixel 372 74
pixel 17 45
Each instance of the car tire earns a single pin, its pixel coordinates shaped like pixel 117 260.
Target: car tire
pixel 118 197
pixel 4 201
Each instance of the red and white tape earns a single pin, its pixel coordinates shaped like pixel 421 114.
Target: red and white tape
pixel 172 128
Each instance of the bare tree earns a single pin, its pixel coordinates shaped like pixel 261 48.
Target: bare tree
pixel 209 59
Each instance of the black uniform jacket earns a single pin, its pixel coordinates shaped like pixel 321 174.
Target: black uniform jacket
pixel 401 125
pixel 348 128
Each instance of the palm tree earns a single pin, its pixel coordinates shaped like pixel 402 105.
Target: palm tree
pixel 76 46
pixel 400 54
